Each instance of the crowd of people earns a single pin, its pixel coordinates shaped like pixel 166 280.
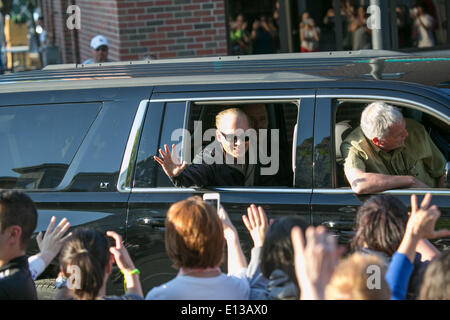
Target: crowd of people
pixel 391 256
pixel 416 27
pixel 261 38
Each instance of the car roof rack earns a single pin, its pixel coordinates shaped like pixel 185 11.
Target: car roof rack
pixel 331 55
pixel 298 67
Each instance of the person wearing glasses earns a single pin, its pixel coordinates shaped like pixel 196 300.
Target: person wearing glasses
pixel 388 151
pixel 99 50
pixel 223 163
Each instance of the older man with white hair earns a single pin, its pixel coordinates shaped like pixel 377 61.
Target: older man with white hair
pixel 388 151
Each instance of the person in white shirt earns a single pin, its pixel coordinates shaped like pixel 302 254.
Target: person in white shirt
pixel 99 50
pixel 424 23
pixel 195 238
pixel 49 245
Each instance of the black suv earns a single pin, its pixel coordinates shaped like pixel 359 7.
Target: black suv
pixel 80 139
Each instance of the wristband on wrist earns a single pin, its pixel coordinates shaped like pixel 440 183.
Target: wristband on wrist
pixel 61 282
pixel 130 273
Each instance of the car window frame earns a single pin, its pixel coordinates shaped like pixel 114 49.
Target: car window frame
pixel 399 98
pixel 277 95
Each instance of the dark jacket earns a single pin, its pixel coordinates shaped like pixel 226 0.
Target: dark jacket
pixel 16 282
pixel 204 172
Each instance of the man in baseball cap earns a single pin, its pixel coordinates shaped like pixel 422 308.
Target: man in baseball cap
pixel 99 49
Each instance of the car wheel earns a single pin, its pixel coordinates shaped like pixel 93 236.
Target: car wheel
pixel 46 289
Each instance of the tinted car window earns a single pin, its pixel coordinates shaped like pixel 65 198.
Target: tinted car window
pixel 39 142
pixel 96 164
pixel 172 117
pixel 347 118
pixel 171 133
pixel 280 122
pixel 145 164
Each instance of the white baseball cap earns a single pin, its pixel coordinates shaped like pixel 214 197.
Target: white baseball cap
pixel 98 41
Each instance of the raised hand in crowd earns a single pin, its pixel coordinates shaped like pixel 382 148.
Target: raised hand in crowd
pixel 125 265
pixel 256 224
pixel 421 225
pixel 169 162
pixel 315 261
pixel 236 257
pixel 49 244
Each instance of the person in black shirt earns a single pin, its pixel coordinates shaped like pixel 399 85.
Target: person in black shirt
pixel 215 168
pixel 18 219
pixel 236 140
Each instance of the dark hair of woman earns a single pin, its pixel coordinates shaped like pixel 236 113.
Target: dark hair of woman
pixel 277 251
pixel 88 251
pixel 380 224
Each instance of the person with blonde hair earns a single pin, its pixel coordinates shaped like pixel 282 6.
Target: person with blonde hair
pixel 222 163
pixel 195 238
pixel 436 281
pixel 352 279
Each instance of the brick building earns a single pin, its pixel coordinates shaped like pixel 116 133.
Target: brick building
pixel 137 29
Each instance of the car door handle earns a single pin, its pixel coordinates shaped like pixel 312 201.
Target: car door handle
pixel 347 209
pixel 339 225
pixel 155 222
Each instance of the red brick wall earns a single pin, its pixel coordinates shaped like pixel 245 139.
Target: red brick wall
pixel 142 28
pixel 99 17
pixel 55 17
pixel 171 28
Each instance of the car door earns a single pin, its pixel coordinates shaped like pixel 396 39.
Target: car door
pixel 334 204
pixel 152 193
pixel 64 149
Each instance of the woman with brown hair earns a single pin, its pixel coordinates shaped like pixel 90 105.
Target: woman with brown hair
pixel 195 239
pixel 380 226
pixel 86 263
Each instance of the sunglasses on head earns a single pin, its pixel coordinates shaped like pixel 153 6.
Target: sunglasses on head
pixel 232 138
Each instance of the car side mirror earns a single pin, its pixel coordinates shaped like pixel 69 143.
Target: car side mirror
pixel 447 175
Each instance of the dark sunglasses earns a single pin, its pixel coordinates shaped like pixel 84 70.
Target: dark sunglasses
pixel 232 138
pixel 102 48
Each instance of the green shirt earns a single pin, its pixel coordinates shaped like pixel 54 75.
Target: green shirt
pixel 418 157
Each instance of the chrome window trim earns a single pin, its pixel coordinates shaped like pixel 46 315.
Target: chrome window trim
pixel 288 190
pixel 397 192
pixel 163 190
pixel 126 159
pixel 219 189
pixel 422 107
pixel 218 99
pixel 262 190
pixel 137 123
